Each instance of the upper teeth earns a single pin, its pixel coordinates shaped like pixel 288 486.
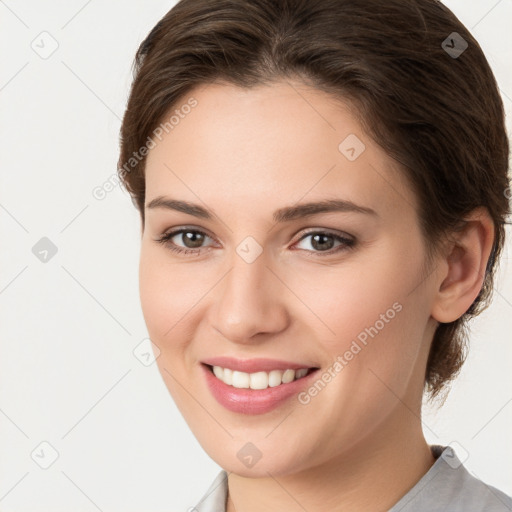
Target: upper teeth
pixel 258 380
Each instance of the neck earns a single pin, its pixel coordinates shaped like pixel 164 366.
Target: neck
pixel 372 475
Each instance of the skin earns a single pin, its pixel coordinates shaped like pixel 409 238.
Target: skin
pixel 244 154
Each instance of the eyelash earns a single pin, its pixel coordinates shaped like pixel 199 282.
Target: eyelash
pixel 346 243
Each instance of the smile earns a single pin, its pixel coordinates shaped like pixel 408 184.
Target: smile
pixel 255 392
pixel 258 380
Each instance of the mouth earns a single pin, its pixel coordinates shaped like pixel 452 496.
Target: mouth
pixel 258 380
pixel 256 392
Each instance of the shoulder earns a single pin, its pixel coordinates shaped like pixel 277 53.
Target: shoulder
pixel 450 487
pixel 214 499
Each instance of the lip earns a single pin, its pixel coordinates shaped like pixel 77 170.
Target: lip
pixel 254 401
pixel 255 365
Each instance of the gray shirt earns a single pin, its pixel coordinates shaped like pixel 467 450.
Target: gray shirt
pixel 447 486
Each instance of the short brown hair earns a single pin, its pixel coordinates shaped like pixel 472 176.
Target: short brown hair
pixel 437 113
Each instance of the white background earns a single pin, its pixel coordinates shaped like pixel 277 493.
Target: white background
pixel 68 375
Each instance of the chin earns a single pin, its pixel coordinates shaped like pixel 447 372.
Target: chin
pixel 253 460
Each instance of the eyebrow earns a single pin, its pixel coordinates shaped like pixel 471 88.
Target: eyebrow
pixel 285 214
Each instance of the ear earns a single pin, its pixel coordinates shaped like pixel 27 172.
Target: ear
pixel 463 267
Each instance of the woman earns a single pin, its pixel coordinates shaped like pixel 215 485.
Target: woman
pixel 323 191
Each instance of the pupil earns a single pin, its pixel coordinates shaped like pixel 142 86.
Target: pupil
pixel 322 245
pixel 195 238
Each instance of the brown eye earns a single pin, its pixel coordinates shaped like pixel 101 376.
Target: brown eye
pixel 192 240
pixel 323 242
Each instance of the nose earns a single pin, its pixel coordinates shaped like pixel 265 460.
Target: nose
pixel 250 300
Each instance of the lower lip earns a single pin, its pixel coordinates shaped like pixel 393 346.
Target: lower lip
pixel 253 401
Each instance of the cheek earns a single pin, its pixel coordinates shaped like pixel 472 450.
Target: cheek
pixel 166 295
pixel 167 298
pixel 369 316
pixel 346 300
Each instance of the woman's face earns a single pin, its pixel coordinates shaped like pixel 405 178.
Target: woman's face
pixel 343 290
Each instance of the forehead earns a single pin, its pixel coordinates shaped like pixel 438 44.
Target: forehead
pixel 272 145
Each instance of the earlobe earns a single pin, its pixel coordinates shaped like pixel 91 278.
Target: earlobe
pixel 466 260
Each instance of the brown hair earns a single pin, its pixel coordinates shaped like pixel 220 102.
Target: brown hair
pixel 438 113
